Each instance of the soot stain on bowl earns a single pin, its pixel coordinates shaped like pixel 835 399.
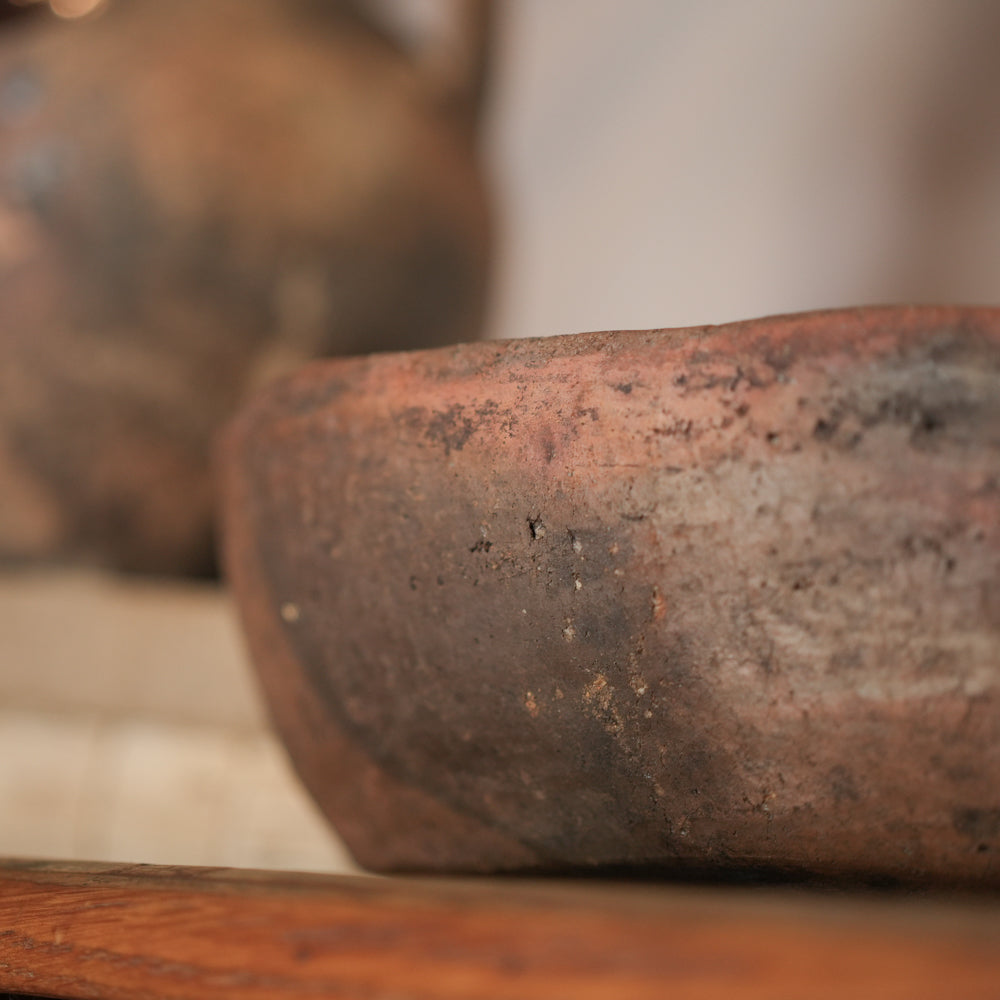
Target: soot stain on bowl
pixel 526 694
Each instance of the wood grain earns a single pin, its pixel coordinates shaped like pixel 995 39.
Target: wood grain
pixel 72 930
pixel 133 730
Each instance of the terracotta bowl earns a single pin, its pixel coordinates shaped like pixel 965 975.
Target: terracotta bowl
pixel 719 599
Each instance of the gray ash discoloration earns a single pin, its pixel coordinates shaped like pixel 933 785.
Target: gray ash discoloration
pixel 22 94
pixel 978 824
pixel 449 428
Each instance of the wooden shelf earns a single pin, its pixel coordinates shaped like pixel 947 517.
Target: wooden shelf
pixel 104 931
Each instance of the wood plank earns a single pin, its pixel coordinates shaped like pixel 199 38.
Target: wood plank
pixel 73 930
pixel 85 641
pixel 131 729
pixel 132 789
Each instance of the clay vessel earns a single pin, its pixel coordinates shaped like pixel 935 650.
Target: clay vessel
pixel 721 600
pixel 195 196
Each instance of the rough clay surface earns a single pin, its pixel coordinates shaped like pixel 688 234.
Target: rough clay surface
pixel 719 598
pixel 195 197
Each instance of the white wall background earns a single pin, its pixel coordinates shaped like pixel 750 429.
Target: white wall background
pixel 676 162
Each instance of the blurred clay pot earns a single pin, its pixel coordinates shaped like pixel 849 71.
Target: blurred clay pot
pixel 194 196
pixel 720 599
